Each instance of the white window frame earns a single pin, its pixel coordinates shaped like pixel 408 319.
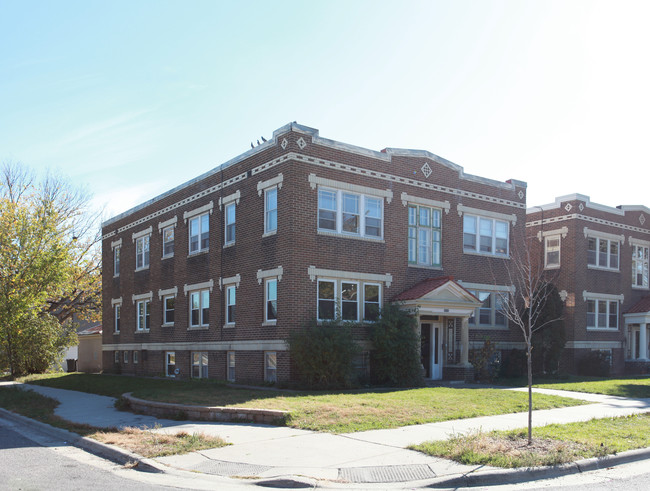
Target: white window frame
pixel 267 300
pixel 338 298
pixel 230 366
pixel 494 296
pixel 271 369
pixel 116 261
pixel 362 225
pixel 597 264
pixel 607 301
pixel 493 234
pixel 203 368
pixel 643 262
pixel 146 303
pixel 165 242
pixel 170 361
pixel 231 288
pixel 549 249
pixel 125 357
pixel 116 357
pixel 434 258
pixel 136 357
pixel 230 222
pixel 269 229
pixel 117 314
pixel 143 256
pixel 202 295
pixel 366 302
pixel 165 310
pixel 198 223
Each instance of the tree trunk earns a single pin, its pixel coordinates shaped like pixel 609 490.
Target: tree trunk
pixel 530 394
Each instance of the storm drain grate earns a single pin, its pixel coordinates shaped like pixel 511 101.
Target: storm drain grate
pixel 397 473
pixel 223 468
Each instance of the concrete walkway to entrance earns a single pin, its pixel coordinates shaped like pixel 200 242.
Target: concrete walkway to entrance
pixel 262 451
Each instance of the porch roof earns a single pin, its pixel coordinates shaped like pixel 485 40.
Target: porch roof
pixel 440 296
pixel 639 313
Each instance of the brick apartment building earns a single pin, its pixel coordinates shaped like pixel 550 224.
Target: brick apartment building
pixel 598 256
pixel 209 278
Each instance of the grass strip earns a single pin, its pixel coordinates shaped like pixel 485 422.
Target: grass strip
pixel 552 445
pixel 334 412
pixel 145 442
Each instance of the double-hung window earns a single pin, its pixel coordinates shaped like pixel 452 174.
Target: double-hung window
pixel 230 219
pixel 271 300
pixel 231 302
pixel 424 235
pixel 602 313
pixel 168 241
pixel 200 364
pixel 143 313
pixel 199 233
pixel 117 309
pixel 168 309
pixel 199 308
pixel 348 300
pixel 170 363
pixel 270 210
pixel 350 213
pixel 230 366
pixel 492 312
pixel 116 260
pixel 484 235
pixel 142 252
pixel 270 367
pixel 552 252
pixel 640 266
pixel 602 252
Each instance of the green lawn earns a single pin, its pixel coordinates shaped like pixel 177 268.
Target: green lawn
pixel 634 387
pixel 336 412
pixel 553 444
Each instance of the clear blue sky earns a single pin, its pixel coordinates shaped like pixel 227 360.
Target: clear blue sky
pixel 131 98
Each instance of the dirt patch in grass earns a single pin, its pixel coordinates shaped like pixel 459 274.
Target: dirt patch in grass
pixel 149 443
pixel 509 451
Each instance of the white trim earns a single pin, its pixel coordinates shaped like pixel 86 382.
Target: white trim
pixel 486 287
pixel 116 243
pixel 255 345
pixel 275 181
pixel 315 272
pixel 314 180
pixel 594 344
pixel 590 232
pixel 601 296
pixel 512 218
pixel 167 223
pixel 116 301
pixel 229 281
pixel 236 196
pixel 407 198
pixel 142 296
pixel 166 293
pixel 198 286
pixel 558 231
pixel 198 211
pixel 276 272
pixel 638 242
pixel 142 233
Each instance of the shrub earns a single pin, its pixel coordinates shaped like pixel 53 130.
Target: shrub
pixel 595 363
pixel 323 354
pixel 514 364
pixel 395 359
pixel 486 361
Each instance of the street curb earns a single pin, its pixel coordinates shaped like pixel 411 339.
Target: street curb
pixel 107 451
pixel 515 476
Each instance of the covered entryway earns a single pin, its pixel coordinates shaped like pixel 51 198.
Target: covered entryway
pixel 440 302
pixel 637 337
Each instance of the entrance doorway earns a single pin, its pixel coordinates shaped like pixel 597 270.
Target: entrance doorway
pixel 431 349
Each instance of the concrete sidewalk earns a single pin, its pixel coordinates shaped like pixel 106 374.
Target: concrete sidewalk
pixel 378 456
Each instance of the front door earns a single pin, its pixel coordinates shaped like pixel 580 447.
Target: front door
pixel 431 349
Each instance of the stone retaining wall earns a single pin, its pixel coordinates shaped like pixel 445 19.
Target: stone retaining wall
pixel 204 413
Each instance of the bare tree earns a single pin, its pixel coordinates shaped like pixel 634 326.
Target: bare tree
pixel 525 302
